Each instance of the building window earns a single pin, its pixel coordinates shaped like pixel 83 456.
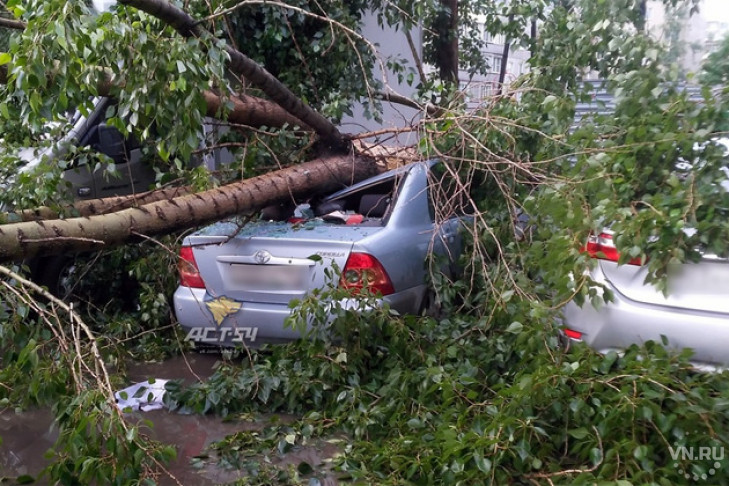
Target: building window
pixel 489 38
pixel 487 90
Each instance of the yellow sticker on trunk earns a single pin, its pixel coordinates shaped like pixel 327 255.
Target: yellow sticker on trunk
pixel 222 307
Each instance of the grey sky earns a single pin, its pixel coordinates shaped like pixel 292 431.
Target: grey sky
pixel 716 10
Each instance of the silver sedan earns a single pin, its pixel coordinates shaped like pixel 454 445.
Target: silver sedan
pixel 694 314
pixel 236 283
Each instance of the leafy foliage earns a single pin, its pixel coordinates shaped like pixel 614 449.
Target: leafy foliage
pixel 4 39
pixel 46 362
pixel 158 92
pixel 484 394
pixel 467 400
pixel 715 70
pixel 321 42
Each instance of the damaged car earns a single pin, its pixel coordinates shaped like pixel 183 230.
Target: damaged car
pixel 236 282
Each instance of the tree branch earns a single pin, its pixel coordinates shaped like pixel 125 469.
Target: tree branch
pixel 416 57
pixel 94 207
pixel 429 108
pixel 12 24
pixel 244 66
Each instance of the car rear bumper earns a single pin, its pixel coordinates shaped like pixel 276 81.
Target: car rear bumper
pixel 616 325
pixel 254 323
pixel 250 326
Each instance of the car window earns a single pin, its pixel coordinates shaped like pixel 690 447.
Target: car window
pixel 106 139
pixel 368 204
pixel 358 199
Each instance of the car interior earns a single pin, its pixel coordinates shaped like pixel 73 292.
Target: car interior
pixel 369 206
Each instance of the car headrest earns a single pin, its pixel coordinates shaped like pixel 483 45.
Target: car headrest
pixel 374 205
pixel 328 207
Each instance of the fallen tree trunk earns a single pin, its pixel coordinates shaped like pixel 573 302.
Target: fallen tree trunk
pixel 49 237
pixel 95 207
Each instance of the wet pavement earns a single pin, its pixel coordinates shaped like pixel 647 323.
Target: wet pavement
pixel 26 436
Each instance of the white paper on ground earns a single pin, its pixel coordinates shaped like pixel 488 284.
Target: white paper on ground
pixel 144 396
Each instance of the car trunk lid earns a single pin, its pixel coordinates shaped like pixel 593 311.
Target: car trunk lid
pixel 702 286
pixel 272 262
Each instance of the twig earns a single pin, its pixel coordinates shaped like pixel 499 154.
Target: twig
pixel 567 472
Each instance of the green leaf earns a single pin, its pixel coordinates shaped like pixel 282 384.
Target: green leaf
pixel 515 328
pixel 596 456
pixel 579 433
pixel 483 464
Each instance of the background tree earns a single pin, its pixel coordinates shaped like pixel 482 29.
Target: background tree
pixel 4 39
pixel 308 49
pixel 715 70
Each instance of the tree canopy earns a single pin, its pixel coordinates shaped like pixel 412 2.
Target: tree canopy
pixel 484 393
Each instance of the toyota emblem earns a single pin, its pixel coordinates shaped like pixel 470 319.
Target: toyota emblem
pixel 261 257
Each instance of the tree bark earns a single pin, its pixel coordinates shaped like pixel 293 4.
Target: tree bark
pixel 95 207
pixel 447 50
pixel 248 68
pixel 11 24
pixel 251 111
pixel 505 59
pixel 97 232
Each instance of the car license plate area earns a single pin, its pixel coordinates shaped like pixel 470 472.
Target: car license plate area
pixel 266 277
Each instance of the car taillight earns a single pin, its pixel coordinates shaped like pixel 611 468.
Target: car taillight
pixel 363 270
pixel 572 334
pixel 187 269
pixel 603 247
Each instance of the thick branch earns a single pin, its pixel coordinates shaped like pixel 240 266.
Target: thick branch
pixel 246 67
pixel 83 234
pixel 12 24
pixel 505 59
pixel 429 108
pixel 447 42
pixel 252 111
